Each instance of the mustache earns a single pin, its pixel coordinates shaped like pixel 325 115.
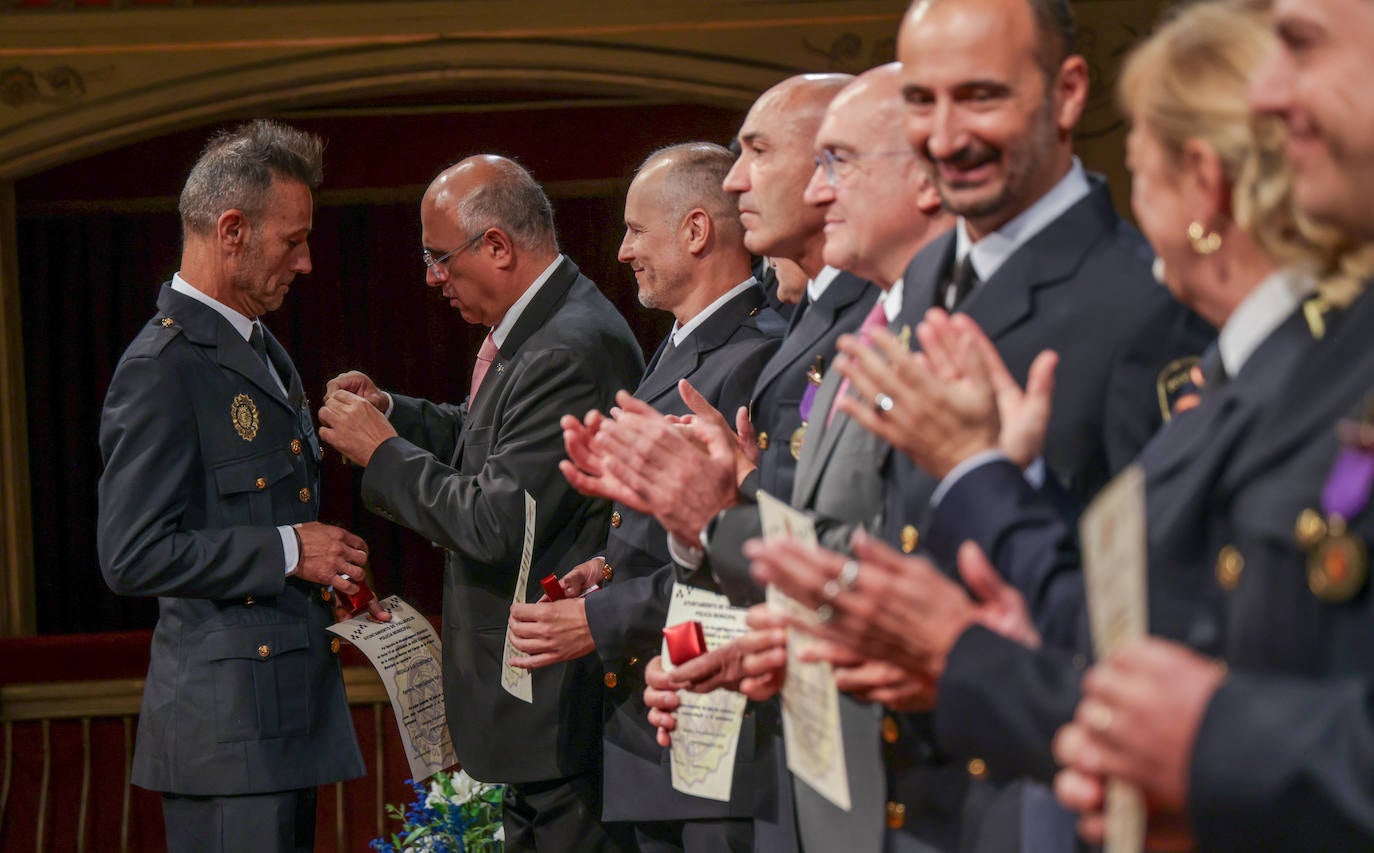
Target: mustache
pixel 973 154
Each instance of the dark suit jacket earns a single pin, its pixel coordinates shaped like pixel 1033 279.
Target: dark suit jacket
pixel 1003 703
pixel 1081 286
pixel 811 335
pixel 1284 758
pixel 721 358
pixel 457 475
pixel 243 693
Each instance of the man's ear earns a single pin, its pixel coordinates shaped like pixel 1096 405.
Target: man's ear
pixel 497 245
pixel 697 227
pixel 232 230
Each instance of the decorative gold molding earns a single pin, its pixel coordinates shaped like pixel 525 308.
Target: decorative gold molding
pixel 120 697
pixel 17 614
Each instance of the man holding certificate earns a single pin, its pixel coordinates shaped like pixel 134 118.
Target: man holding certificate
pixel 458 475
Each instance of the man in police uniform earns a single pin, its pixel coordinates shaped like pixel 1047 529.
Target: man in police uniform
pixel 208 500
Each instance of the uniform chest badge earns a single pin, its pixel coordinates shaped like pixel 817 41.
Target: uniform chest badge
pixel 244 413
pixel 1337 565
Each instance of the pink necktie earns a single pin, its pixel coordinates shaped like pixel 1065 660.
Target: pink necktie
pixel 876 319
pixel 485 356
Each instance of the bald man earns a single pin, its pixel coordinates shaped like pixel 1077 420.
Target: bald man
pixel 457 475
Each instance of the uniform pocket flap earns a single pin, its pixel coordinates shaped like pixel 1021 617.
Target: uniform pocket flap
pixel 252 474
pixel 256 642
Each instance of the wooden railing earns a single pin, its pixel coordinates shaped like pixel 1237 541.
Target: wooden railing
pixel 69 747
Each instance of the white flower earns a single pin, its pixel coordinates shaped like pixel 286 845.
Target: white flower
pixel 464 787
pixel 500 833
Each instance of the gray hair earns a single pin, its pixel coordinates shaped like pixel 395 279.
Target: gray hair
pixel 513 201
pixel 237 167
pixel 695 179
pixel 1057 34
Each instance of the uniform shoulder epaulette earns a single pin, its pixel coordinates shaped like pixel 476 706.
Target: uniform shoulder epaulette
pixel 155 337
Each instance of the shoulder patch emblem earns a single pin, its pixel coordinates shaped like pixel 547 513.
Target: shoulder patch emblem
pixel 1177 388
pixel 244 413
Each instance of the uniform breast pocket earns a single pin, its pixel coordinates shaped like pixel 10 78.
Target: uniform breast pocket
pixel 261 676
pixel 245 487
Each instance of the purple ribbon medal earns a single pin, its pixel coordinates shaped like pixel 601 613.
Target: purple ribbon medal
pixel 1337 566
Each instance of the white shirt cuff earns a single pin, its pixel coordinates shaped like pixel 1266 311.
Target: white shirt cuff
pixel 389 405
pixel 687 556
pixel 288 545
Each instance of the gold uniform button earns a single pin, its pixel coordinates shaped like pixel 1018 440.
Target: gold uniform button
pixel 261 483
pixel 633 661
pixel 249 601
pixel 607 572
pixel 978 768
pixel 762 441
pixel 304 495
pixel 611 680
pixel 896 815
pixel 296 446
pixel 168 322
pixel 911 537
pixel 326 595
pixel 1229 566
pixel 264 651
pixel 1310 529
pixel 615 519
pixel 334 645
pixel 891 731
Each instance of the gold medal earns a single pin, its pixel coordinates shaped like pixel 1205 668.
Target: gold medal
pixel 1337 569
pixel 244 413
pixel 795 443
pixel 815 374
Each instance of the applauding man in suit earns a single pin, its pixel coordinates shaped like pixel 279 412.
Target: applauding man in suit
pixel 458 475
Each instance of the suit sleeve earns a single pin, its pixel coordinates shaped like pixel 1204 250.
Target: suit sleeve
pixel 153 468
pixel 627 617
pixel 1003 702
pixel 433 426
pixel 1024 536
pixel 1285 763
pixel 481 516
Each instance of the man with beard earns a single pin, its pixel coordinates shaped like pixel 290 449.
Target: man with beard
pixel 208 500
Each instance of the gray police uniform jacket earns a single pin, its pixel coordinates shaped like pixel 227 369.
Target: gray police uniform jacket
pixel 204 457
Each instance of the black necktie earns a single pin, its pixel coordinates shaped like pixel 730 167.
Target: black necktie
pixel 960 285
pixel 259 345
pixel 1213 368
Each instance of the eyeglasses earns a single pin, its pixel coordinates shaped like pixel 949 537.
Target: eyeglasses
pixel 839 165
pixel 435 265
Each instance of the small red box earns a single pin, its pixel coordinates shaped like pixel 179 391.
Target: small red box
pixel 358 601
pixel 552 588
pixel 686 640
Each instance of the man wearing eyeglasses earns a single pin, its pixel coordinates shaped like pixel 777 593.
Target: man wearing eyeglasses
pixel 458 475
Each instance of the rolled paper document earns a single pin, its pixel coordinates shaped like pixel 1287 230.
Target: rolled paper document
pixel 552 588
pixel 685 640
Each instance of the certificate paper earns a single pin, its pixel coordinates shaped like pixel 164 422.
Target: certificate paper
pixel 810 700
pixel 406 654
pixel 520 682
pixel 1114 573
pixel 708 724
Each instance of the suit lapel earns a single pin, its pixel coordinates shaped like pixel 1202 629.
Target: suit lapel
pixel 681 361
pixel 1327 383
pixel 205 327
pixel 795 350
pixel 923 276
pixel 544 303
pixel 1049 257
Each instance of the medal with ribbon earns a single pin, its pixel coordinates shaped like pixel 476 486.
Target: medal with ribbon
pixel 814 376
pixel 1337 564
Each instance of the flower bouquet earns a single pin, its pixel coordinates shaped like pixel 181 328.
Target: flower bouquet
pixel 455 814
